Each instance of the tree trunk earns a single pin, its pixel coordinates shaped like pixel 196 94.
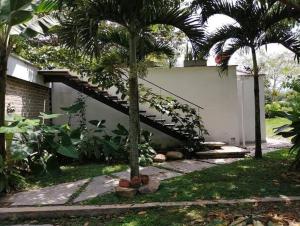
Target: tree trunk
pixel 258 151
pixel 134 121
pixel 3 76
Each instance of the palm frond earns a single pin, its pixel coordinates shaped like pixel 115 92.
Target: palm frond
pixel 228 52
pixel 218 38
pixel 179 18
pixel 277 13
pixel 213 7
pixel 284 36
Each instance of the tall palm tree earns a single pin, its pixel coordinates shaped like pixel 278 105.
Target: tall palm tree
pixel 135 16
pixel 257 23
pixel 17 17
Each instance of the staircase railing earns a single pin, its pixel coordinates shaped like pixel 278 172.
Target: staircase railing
pixel 188 121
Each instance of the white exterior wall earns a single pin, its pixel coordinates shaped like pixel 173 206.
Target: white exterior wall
pixel 63 96
pixel 22 69
pixel 205 87
pixel 246 93
pixel 218 95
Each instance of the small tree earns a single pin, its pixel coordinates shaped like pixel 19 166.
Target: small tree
pixel 257 23
pixel 135 16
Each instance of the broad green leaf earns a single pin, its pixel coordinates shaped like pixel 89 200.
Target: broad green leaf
pixel 46 6
pixel 74 108
pixel 20 17
pixel 68 151
pixel 48 116
pixel 97 123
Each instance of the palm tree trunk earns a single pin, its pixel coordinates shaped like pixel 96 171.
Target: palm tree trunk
pixel 3 76
pixel 258 151
pixel 134 121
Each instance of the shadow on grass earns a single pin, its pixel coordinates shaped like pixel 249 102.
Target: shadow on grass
pixel 73 173
pixel 242 179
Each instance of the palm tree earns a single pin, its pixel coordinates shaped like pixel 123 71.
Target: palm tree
pixel 135 16
pixel 17 18
pixel 293 4
pixel 257 23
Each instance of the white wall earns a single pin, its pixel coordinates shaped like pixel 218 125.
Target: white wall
pixel 205 87
pixel 63 96
pixel 246 93
pixel 22 69
pixel 218 95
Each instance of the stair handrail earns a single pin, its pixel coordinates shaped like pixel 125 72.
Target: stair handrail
pixel 174 94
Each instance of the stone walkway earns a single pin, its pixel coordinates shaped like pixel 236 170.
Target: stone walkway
pixel 83 190
pixel 91 188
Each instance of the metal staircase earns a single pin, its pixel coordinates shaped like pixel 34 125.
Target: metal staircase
pixel 65 77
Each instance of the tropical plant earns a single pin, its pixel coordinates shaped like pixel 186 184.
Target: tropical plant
pixel 135 17
pixel 294 4
pixel 10 177
pixel 256 24
pixel 186 119
pixel 292 130
pixel 42 144
pixel 17 18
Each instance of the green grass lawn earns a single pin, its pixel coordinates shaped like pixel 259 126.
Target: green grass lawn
pixel 73 173
pixel 272 123
pixel 242 179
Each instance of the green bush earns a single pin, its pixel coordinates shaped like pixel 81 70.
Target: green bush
pixel 292 130
pixel 40 143
pixel 10 177
pixel 270 108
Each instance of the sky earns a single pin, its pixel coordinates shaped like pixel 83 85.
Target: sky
pixel 218 20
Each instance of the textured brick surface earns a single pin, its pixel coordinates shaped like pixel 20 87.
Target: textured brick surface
pixel 27 98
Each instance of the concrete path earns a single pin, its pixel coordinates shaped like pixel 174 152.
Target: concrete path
pixel 80 210
pixel 186 166
pixel 151 171
pixel 54 195
pixel 62 193
pixel 98 186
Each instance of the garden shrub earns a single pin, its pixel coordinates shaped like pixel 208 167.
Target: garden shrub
pixel 292 130
pixel 274 107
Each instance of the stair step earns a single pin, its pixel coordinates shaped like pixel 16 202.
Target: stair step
pixel 122 102
pixel 84 82
pixel 159 120
pixel 151 116
pixel 74 78
pixel 102 92
pixel 113 97
pixel 142 112
pixel 169 125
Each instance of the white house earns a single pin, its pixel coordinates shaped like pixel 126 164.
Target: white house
pixel 227 100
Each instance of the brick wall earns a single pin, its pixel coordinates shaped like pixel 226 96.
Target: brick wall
pixel 27 98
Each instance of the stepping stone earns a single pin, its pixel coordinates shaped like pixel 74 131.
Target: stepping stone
pixel 97 187
pixel 225 152
pixel 54 195
pixel 151 171
pixel 222 161
pixel 214 145
pixel 186 166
